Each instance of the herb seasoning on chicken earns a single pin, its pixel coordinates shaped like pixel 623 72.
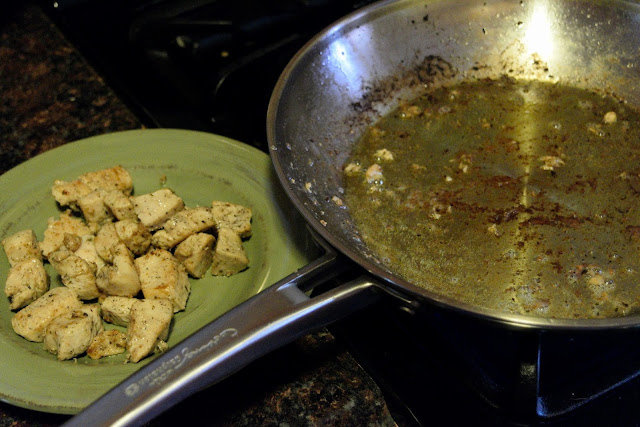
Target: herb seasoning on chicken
pixel 124 261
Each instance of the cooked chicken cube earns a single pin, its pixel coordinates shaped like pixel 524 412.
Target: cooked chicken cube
pixel 134 234
pixel 107 343
pixel 148 327
pixel 182 225
pixel 31 321
pixel 117 310
pixel 235 217
pixel 130 232
pixel 26 282
pixel 56 229
pixel 21 246
pixel 70 334
pixel 196 253
pixel 75 273
pixel 229 256
pixel 154 209
pixel 120 205
pixel 68 193
pixel 87 251
pixel 121 278
pixel 95 212
pixel 106 238
pixel 115 178
pixel 162 276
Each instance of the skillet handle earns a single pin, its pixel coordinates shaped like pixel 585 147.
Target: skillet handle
pixel 269 320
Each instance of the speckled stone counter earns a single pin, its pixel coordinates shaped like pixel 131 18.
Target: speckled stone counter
pixel 49 95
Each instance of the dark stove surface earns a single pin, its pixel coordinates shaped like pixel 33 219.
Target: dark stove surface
pixel 436 369
pixel 206 65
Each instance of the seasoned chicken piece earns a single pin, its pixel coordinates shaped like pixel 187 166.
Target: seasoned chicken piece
pixel 21 246
pixel 130 232
pixel 134 234
pixel 154 209
pixel 115 178
pixel 31 321
pixel 106 238
pixel 26 282
pixel 121 278
pixel 117 310
pixel 107 343
pixel 120 205
pixel 56 228
pixel 72 242
pixel 70 334
pixel 162 276
pixel 196 253
pixel 94 210
pixel 148 327
pixel 235 217
pixel 68 193
pixel 229 256
pixel 87 251
pixel 75 273
pixel 182 225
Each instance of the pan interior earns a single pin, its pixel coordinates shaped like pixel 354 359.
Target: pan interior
pixel 518 196
pixel 370 62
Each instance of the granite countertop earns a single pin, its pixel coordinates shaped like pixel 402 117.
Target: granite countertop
pixel 49 95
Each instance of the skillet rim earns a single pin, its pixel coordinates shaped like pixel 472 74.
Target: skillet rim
pixel 390 283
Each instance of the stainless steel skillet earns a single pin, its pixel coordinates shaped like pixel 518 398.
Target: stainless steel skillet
pixel 339 83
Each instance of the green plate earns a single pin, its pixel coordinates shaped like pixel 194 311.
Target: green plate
pixel 199 167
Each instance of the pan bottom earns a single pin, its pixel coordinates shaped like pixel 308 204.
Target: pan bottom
pixel 511 195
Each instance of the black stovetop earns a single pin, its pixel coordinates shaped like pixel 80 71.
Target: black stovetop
pixel 211 65
pixel 438 368
pixel 206 65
